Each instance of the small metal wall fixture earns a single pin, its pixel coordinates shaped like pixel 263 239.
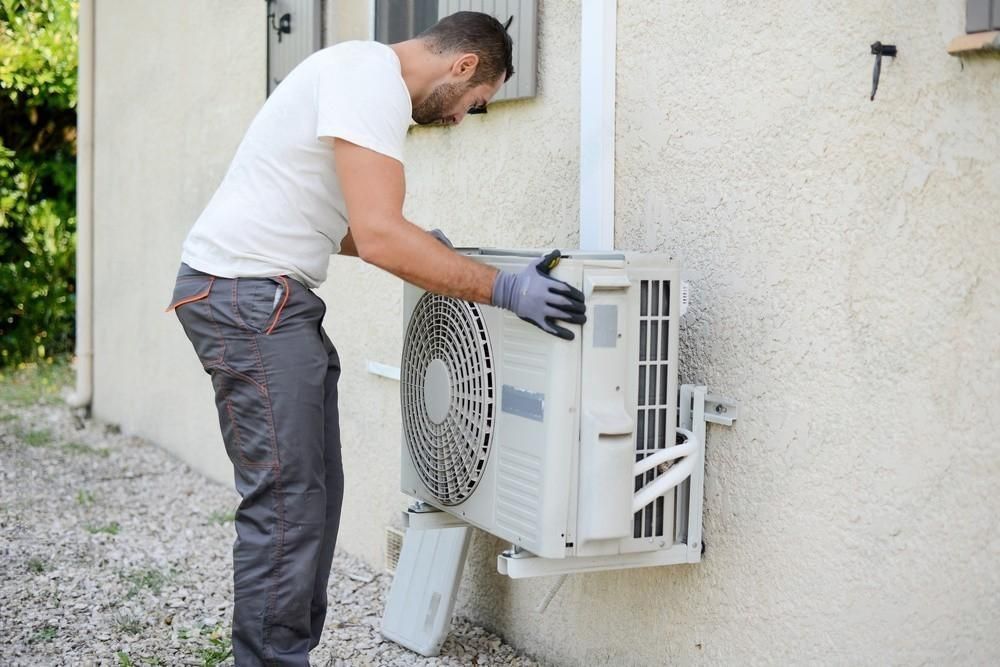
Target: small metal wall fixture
pixel 284 26
pixel 878 50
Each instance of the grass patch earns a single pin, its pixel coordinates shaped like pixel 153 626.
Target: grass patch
pixel 145 579
pixel 39 438
pixel 124 660
pixel 35 383
pixel 36 565
pixel 81 448
pixel 128 623
pixel 85 498
pixel 221 517
pixel 44 634
pixel 112 528
pixel 219 646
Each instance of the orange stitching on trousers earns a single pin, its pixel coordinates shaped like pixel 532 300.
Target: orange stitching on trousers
pixel 196 297
pixel 277 315
pixel 279 497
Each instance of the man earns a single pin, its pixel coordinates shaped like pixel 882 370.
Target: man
pixel 320 171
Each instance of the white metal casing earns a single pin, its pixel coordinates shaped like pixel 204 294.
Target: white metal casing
pixel 421 602
pixel 562 485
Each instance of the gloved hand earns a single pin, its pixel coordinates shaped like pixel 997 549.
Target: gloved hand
pixel 535 297
pixel 439 235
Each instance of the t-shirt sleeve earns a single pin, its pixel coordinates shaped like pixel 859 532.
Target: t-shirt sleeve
pixel 363 100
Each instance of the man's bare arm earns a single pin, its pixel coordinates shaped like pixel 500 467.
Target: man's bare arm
pixel 374 187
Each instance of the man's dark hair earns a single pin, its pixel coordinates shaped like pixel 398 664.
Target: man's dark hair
pixel 478 33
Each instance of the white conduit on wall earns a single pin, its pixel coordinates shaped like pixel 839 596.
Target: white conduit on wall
pixel 84 209
pixel 598 41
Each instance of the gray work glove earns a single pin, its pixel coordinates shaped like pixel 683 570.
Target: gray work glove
pixel 535 297
pixel 439 235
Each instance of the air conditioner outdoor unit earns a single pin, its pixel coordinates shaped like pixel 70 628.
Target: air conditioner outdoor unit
pixel 563 448
pixel 569 450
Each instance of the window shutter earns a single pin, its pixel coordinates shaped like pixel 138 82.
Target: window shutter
pixel 294 30
pixel 977 15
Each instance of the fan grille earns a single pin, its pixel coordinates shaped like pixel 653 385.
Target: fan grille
pixel 447 416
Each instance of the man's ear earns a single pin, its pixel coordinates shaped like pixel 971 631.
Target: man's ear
pixel 465 67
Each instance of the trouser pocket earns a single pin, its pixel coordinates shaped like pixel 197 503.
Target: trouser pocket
pixel 189 289
pixel 246 419
pixel 259 302
pixel 191 303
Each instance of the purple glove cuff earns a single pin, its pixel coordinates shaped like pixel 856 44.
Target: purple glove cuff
pixel 504 290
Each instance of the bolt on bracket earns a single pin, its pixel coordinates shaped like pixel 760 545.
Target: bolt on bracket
pixel 721 410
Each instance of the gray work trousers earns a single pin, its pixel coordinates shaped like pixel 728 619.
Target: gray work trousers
pixel 275 375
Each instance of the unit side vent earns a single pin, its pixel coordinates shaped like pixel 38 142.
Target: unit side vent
pixel 519 492
pixel 447 396
pixel 653 407
pixel 393 548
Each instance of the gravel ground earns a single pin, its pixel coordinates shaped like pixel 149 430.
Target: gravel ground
pixel 114 553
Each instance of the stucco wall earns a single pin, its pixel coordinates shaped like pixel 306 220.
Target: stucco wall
pixel 177 85
pixel 848 259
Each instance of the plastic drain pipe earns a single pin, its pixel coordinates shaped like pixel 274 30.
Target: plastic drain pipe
pixel 598 42
pixel 81 398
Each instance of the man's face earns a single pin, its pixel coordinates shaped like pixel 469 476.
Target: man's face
pixel 449 102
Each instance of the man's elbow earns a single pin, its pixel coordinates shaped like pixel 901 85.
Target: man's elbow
pixel 369 253
pixel 372 246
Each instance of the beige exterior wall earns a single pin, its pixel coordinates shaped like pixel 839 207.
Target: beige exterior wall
pixel 177 84
pixel 848 253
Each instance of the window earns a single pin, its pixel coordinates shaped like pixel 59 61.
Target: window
pixel 982 15
pixel 399 20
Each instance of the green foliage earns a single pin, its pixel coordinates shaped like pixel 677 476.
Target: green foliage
pixel 38 438
pixel 219 646
pixel 128 623
pixel 35 383
pixel 112 528
pixel 83 448
pixel 44 634
pixel 38 63
pixel 222 516
pixel 145 578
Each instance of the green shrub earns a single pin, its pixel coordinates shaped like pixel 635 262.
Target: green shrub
pixel 38 62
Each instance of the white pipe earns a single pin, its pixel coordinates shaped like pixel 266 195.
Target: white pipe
pixel 544 604
pixel 680 471
pixel 662 456
pixel 84 209
pixel 384 370
pixel 598 42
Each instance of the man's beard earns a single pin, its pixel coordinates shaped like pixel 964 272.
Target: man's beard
pixel 443 97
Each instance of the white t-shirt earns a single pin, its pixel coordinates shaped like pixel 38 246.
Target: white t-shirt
pixel 279 209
